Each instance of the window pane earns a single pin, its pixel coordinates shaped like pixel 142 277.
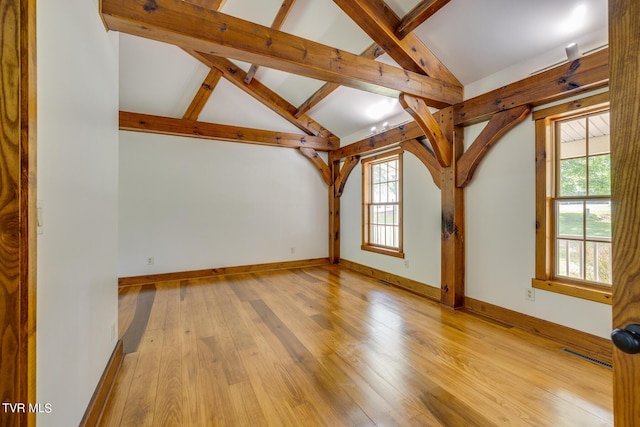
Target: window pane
pixel 604 262
pixel 590 261
pixel 376 173
pixel 599 134
pixel 570 218
pixel 598 222
pixel 575 259
pixel 573 135
pixel 562 268
pixel 600 175
pixel 375 197
pixel 573 177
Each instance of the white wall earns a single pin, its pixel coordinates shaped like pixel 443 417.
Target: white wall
pixel 500 239
pixel 195 204
pixel 422 218
pixel 77 180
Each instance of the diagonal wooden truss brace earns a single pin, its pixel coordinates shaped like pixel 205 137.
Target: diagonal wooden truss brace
pixel 421 114
pixel 317 161
pixel 415 147
pixel 284 10
pixel 202 96
pixel 416 16
pixel 379 21
pixel 266 96
pixel 345 171
pixel 498 125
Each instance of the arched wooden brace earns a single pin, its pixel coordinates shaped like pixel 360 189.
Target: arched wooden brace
pixel 499 124
pixel 415 147
pixel 317 161
pixel 345 171
pixel 417 107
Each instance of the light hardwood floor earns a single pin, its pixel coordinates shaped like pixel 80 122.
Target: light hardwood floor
pixel 325 346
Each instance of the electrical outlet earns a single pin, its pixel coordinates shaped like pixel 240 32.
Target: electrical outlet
pixel 406 264
pixel 151 260
pixel 531 294
pixel 293 250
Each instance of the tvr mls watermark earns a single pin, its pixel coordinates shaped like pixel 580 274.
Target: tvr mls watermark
pixel 22 408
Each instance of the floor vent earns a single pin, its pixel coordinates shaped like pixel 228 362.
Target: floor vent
pixel 587 358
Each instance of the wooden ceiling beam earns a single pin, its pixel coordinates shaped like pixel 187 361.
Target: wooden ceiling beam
pixel 371 52
pixel 197 29
pixel 263 94
pixel 379 22
pixel 442 147
pixel 276 24
pixel 586 73
pixel 193 129
pixel 202 96
pixel 416 16
pixel 382 141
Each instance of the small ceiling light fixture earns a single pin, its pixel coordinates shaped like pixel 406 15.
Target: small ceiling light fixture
pixel 573 51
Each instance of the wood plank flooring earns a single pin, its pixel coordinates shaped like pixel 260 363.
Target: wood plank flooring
pixel 325 346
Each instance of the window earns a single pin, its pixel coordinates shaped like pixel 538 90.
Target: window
pixel 573 241
pixel 382 203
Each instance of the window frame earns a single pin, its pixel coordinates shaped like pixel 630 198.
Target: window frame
pixel 546 186
pixel 366 185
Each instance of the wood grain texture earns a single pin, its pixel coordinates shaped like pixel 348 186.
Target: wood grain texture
pixel 599 348
pixel 624 41
pixel 98 401
pixel 266 96
pixel 371 52
pixel 379 142
pixel 584 74
pixel 17 208
pixel 452 263
pixel 345 171
pixel 379 21
pixel 317 161
pixel 193 129
pixel 201 30
pixel 214 272
pixel 202 96
pixel 334 210
pixel 440 142
pixel 327 346
pixel 427 158
pixel 416 16
pixel 281 15
pixel 498 125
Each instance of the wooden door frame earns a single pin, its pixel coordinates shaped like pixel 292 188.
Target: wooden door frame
pixel 624 39
pixel 18 226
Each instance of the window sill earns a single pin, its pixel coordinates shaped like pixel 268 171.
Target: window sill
pixel 574 290
pixel 383 251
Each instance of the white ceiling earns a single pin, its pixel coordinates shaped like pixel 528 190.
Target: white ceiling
pixel 473 38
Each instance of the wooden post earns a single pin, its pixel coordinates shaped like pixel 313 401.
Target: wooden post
pixel 453 222
pixel 334 211
pixel 624 41
pixel 17 207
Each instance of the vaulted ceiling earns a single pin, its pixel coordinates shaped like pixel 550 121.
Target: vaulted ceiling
pixel 454 43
